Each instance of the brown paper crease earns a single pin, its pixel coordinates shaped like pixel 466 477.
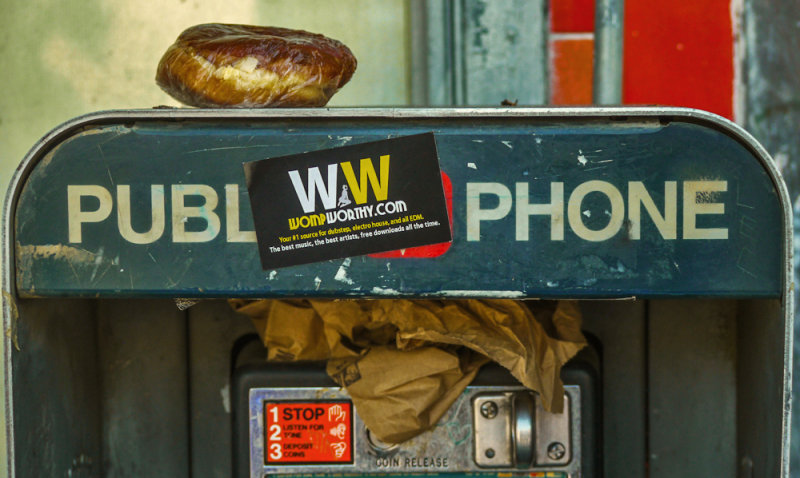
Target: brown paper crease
pixel 404 362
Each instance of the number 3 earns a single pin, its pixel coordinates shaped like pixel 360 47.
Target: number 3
pixel 275 452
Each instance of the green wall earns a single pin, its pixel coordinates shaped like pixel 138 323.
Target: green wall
pixel 62 59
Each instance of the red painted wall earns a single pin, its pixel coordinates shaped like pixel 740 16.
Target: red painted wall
pixel 679 54
pixel 675 54
pixel 571 51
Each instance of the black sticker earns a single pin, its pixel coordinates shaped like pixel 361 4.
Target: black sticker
pixel 348 201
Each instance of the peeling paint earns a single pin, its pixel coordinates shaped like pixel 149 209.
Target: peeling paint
pixel 508 144
pixel 385 291
pixel 620 267
pixel 98 260
pixel 341 274
pixel 56 251
pixel 11 331
pixel 74 257
pixel 472 166
pixel 497 294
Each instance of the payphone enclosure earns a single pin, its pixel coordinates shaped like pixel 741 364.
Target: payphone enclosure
pixel 671 226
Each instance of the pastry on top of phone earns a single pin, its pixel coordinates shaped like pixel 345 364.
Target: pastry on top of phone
pixel 243 66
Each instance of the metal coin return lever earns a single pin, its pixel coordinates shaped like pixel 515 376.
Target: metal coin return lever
pixel 512 430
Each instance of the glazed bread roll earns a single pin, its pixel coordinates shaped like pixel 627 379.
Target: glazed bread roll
pixel 242 66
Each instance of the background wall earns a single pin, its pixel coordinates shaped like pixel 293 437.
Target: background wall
pixel 64 59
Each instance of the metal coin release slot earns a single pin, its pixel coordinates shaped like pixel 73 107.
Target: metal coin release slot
pixel 378 446
pixel 512 430
pixel 522 423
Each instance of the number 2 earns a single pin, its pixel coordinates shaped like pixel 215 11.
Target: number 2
pixel 275 431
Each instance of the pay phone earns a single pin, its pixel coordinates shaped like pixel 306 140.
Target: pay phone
pixel 671 226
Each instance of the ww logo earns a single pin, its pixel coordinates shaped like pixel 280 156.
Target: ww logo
pixel 316 185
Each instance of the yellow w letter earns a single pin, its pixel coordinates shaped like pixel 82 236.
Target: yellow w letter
pixel 367 174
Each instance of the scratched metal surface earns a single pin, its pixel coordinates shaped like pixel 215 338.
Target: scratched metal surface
pixel 536 150
pixel 450 439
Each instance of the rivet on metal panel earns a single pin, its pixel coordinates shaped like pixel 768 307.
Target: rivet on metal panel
pixel 489 410
pixel 556 450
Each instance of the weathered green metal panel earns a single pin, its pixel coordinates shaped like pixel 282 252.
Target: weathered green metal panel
pixel 593 172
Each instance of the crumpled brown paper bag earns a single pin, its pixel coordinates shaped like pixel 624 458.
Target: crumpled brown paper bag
pixel 404 362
